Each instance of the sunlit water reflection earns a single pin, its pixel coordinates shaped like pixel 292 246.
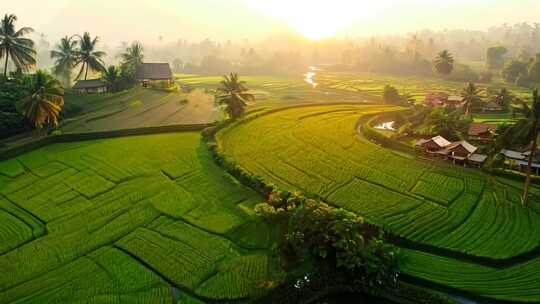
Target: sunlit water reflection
pixel 388 126
pixel 309 77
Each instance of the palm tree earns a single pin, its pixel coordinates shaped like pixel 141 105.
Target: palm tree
pixel 505 98
pixel 471 95
pixel 44 104
pixel 413 47
pixel 525 132
pixel 235 95
pixel 14 45
pixel 133 55
pixel 112 77
pixel 444 63
pixel 65 56
pixel 88 57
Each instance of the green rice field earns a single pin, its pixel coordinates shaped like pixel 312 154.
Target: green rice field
pixel 152 219
pixel 517 282
pixel 318 150
pixel 128 220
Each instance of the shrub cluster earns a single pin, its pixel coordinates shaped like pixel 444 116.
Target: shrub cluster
pixel 336 237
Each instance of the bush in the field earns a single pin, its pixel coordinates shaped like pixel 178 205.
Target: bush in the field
pixel 334 237
pixel 340 238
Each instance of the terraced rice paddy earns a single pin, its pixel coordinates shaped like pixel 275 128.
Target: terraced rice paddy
pixel 318 150
pixel 517 282
pixel 140 107
pixel 127 220
pixel 151 219
pixel 372 85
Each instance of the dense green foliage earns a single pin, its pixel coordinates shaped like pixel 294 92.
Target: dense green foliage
pixel 425 122
pixel 339 236
pixel 331 239
pixel 391 95
pixel 43 105
pixel 116 228
pixel 11 121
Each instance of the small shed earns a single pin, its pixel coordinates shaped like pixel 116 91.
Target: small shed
pixel 147 72
pixel 90 86
pixel 521 160
pixel 477 160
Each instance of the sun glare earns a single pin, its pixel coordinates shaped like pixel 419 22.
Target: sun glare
pixel 313 19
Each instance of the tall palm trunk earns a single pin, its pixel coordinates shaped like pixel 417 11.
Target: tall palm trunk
pixel 5 66
pixel 86 73
pixel 529 165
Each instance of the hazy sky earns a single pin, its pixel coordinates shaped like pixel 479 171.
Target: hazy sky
pixel 146 20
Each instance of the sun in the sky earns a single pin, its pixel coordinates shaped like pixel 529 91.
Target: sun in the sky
pixel 314 19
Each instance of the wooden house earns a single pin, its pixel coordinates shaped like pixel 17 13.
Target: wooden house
pixel 520 160
pixel 435 99
pixel 482 132
pixel 90 86
pixel 153 72
pixel 476 160
pixel 432 145
pixel 492 106
pixel 455 102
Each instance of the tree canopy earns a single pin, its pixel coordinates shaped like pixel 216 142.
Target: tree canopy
pixel 88 57
pixel 14 45
pixel 444 63
pixel 234 95
pixel 45 102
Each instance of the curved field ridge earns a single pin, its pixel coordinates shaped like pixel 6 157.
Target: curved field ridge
pixel 123 221
pixel 317 150
pixel 515 283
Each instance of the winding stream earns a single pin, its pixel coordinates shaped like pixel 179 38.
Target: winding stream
pixel 309 77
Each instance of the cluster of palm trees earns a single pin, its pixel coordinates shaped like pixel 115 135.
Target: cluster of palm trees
pixel 77 51
pixel 44 102
pixel 80 51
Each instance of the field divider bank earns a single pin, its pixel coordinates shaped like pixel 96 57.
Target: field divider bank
pixel 13 151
